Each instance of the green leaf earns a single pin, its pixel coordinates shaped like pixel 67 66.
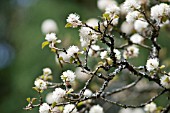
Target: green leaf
pixel 106 16
pixel 96 27
pixel 44 44
pixel 28 100
pixel 80 104
pixel 84 48
pixel 72 59
pixel 60 58
pixel 53 50
pixel 70 90
pixel 164 19
pixel 54 104
pixel 68 25
pixel 116 16
pixel 33 100
pixel 36 89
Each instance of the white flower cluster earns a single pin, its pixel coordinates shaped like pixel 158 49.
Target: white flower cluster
pixel 68 76
pixel 47 71
pixel 113 11
pixel 127 28
pixel 52 39
pixel 82 76
pixel 140 25
pixel 92 22
pixel 135 17
pixel 160 12
pixel 40 84
pixel 44 108
pixel 132 16
pixel 152 64
pixel 136 38
pixel 131 5
pixel 165 81
pixel 150 107
pixel 131 52
pixel 94 50
pixel 70 107
pixel 96 109
pixel 117 54
pixel 49 99
pixel 65 57
pixel 103 54
pixel 86 35
pixel 88 93
pixel 72 50
pixel 58 95
pixel 73 19
pixel 103 4
pixel 49 26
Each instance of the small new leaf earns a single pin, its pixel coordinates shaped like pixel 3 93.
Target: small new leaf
pixel 68 25
pixel 44 44
pixel 53 50
pixel 28 100
pixel 70 90
pixel 106 16
pixel 54 104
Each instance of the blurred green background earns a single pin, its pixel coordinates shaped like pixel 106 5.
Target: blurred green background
pixel 21 56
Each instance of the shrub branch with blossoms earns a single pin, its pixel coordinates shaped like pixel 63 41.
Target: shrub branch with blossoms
pixel 112 47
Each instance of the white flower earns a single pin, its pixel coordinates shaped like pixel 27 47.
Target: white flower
pixel 132 16
pixel 81 75
pixel 115 19
pixel 127 110
pixel 49 26
pixel 127 28
pixel 150 107
pixel 103 4
pixel 112 9
pixel 41 84
pixel 138 110
pixel 49 99
pixel 96 109
pixel 72 50
pixel 47 71
pixel 58 95
pixel 161 11
pixel 68 76
pixel 93 50
pixel 165 81
pixel 51 37
pixel 103 54
pixel 95 47
pixel 136 38
pixel 131 5
pixel 131 52
pixel 140 25
pixel 64 56
pixel 88 93
pixel 117 54
pixel 73 19
pixel 44 108
pixel 86 35
pixel 69 107
pixel 130 110
pixel 92 22
pixel 123 9
pixel 152 64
